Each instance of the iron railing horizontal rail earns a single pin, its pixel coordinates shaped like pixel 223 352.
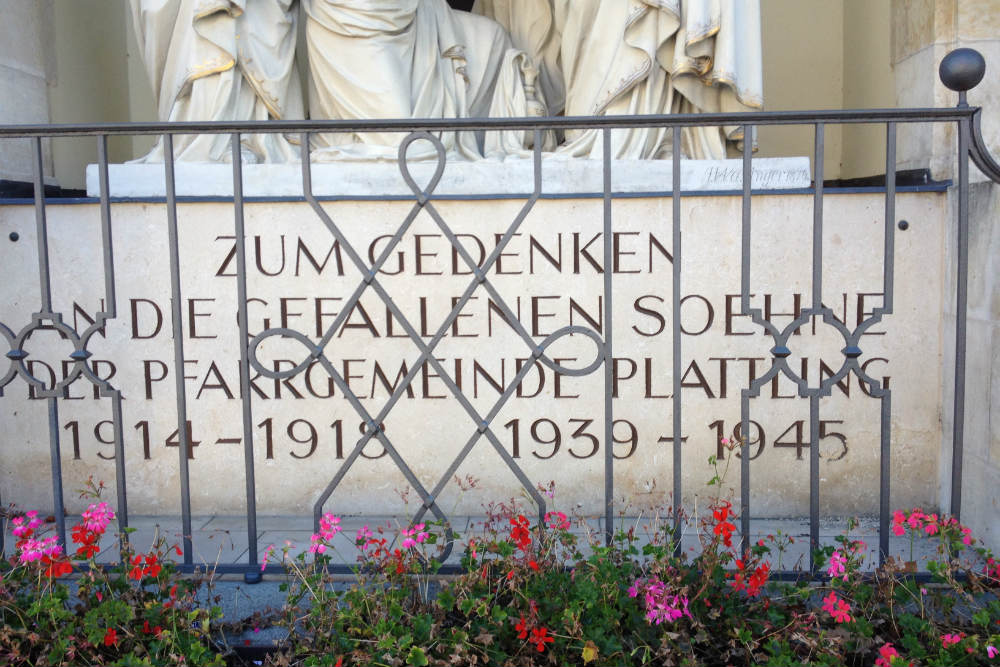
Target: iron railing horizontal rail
pixel 836 116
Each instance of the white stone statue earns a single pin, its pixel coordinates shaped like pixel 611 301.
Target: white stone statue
pixel 221 60
pixel 625 57
pixel 413 59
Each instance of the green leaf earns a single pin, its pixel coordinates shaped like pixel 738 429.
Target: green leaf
pixel 416 657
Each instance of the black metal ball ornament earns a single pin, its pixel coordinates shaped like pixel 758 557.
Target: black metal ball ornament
pixel 962 69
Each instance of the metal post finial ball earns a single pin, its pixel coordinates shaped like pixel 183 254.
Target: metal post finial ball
pixel 962 69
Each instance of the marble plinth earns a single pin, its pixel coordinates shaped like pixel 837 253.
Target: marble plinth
pixel 511 176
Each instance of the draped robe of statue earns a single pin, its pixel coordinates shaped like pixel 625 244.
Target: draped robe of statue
pixel 216 60
pixel 372 59
pixel 626 57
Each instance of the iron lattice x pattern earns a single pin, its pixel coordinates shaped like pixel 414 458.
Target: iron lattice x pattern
pixel 374 423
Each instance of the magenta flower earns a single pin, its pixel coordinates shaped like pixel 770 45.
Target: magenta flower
pixel 838 565
pixel 97 517
pixel 992 651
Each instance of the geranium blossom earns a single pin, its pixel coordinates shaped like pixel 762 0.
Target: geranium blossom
pixel 414 536
pixel 839 609
pixel 885 655
pixel 951 639
pixel 32 549
pixel 992 651
pixel 838 565
pixel 97 517
pixel 520 532
pixel 722 526
pixel 557 520
pixel 661 604
pixel 539 637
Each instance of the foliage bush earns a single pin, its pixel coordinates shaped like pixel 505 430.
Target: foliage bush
pixel 533 593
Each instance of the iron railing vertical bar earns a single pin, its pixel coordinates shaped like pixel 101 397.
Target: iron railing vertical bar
pixel 745 271
pixel 178 332
pixel 888 273
pixel 961 312
pixel 245 396
pixel 816 307
pixel 45 287
pixel 41 224
pixel 609 363
pixel 56 458
pixel 678 430
pixel 111 311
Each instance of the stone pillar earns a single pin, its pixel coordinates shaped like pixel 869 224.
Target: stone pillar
pixel 924 31
pixel 26 66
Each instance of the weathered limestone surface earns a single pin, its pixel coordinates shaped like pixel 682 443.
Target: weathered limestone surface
pixel 550 276
pixel 560 175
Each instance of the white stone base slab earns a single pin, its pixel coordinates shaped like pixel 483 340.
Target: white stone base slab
pixel 511 176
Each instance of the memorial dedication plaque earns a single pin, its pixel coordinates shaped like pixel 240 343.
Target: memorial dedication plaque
pixel 501 382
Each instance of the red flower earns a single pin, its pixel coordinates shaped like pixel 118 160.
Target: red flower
pixel 152 568
pixel 522 629
pixel 520 533
pixel 539 637
pixel 723 527
pixel 110 637
pixel 57 568
pixel 136 571
pixel 533 565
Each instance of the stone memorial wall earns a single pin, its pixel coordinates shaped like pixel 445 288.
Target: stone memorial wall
pixel 550 275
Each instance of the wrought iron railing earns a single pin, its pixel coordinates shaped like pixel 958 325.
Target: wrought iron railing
pixel 959 72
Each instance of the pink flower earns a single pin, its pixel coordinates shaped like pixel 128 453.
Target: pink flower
pixel 267 554
pixel 950 639
pixel 931 528
pixel 329 526
pixel 317 546
pixel 886 654
pixel 661 604
pixel 838 563
pixel 557 520
pixel 363 534
pixel 992 651
pixel 97 517
pixel 837 608
pixel 32 549
pixel 414 536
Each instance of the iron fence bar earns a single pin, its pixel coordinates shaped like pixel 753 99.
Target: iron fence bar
pixel 609 424
pixel 56 458
pixel 745 275
pixel 252 576
pixel 888 273
pixel 803 117
pixel 41 225
pixel 961 312
pixel 816 307
pixel 980 154
pixel 110 311
pixel 45 312
pixel 678 430
pixel 178 332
